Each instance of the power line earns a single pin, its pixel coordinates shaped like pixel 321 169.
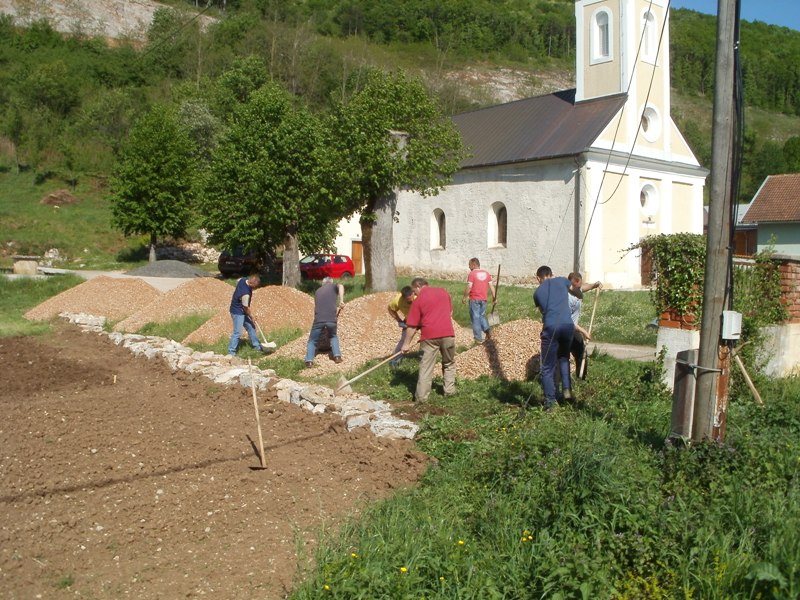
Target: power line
pixel 619 124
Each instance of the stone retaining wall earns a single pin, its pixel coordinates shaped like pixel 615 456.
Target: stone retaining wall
pixel 354 409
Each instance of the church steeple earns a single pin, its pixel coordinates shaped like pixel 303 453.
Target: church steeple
pixel 623 47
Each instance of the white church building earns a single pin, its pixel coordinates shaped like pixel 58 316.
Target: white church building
pixel 569 179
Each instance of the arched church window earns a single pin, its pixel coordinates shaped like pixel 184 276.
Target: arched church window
pixel 438 230
pixel 601 36
pixel 498 225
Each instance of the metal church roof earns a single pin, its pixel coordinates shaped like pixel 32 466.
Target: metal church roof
pixel 535 128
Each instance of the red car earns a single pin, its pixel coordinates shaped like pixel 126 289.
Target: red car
pixel 318 266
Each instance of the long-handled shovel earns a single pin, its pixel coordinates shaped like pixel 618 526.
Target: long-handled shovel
pixel 264 342
pixel 344 384
pixel 582 373
pixel 494 318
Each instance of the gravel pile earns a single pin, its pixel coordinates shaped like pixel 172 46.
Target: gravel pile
pixel 512 353
pixel 366 332
pixel 169 268
pixel 110 297
pixel 202 295
pixel 274 306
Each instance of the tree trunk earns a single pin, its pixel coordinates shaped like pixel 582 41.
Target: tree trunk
pixel 378 238
pixel 153 258
pixel 291 258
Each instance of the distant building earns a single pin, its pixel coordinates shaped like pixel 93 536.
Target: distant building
pixel 775 212
pixel 569 179
pixel 744 234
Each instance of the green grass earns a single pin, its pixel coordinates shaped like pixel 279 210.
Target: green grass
pixel 588 502
pixel 18 296
pixel 81 231
pixel 176 329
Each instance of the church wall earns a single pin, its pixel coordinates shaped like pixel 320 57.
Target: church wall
pixel 540 204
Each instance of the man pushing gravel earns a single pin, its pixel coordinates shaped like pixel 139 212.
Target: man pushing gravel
pixel 242 315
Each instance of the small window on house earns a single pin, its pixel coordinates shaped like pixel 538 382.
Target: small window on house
pixel 649 41
pixel 438 230
pixel 601 36
pixel 648 198
pixel 498 225
pixel 651 124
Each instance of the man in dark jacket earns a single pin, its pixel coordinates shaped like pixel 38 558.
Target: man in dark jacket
pixel 242 315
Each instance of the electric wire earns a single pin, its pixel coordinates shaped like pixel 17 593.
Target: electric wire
pixel 619 123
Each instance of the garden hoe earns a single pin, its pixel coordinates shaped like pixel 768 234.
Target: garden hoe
pixel 582 374
pixel 343 386
pixel 494 318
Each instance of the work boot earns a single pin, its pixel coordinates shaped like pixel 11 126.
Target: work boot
pixel 337 359
pixel 309 364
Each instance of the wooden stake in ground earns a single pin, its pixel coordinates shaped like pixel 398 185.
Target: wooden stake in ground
pixel 258 418
pixel 749 381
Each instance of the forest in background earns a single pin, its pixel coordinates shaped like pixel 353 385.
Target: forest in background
pixel 66 103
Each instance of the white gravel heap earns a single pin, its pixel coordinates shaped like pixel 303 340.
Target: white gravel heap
pixel 356 410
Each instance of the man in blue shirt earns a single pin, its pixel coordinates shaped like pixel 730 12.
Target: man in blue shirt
pixel 551 297
pixel 242 314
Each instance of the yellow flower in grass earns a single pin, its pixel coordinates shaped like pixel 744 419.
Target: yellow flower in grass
pixel 326 587
pixel 403 569
pixel 353 555
pixel 460 542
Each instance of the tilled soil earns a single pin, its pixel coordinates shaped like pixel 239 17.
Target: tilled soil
pixel 121 478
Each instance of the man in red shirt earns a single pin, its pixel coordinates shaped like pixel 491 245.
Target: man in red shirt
pixel 479 283
pixel 431 313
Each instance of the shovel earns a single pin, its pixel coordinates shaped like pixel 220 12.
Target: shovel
pixel 264 342
pixel 494 318
pixel 582 373
pixel 344 384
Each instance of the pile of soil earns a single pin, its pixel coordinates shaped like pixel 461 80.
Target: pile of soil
pixel 123 478
pixel 274 306
pixel 58 198
pixel 203 295
pixel 110 297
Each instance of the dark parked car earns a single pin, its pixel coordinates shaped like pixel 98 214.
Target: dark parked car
pixel 317 266
pixel 238 262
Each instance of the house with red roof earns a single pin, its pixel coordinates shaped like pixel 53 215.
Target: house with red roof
pixel 775 211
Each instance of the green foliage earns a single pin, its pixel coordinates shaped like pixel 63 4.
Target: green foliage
pixel 588 502
pixel 152 182
pixel 678 263
pixel 757 290
pixel 177 329
pixel 263 181
pixel 20 295
pixel 370 163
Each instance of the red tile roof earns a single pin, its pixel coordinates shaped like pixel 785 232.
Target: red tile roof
pixel 777 201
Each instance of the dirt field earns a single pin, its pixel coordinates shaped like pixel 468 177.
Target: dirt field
pixel 121 478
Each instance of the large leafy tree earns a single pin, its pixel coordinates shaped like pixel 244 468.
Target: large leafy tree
pixel 389 135
pixel 262 188
pixel 153 179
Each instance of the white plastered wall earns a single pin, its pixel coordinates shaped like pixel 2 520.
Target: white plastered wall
pixel 540 204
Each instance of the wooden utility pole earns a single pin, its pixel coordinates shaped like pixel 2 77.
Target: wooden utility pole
pixel 711 391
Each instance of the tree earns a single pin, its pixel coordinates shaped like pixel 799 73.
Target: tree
pixel 152 181
pixel 390 135
pixel 262 188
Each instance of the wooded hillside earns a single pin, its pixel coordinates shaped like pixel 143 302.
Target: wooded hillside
pixel 67 102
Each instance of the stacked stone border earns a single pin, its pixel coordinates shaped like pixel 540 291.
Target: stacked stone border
pixel 354 409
